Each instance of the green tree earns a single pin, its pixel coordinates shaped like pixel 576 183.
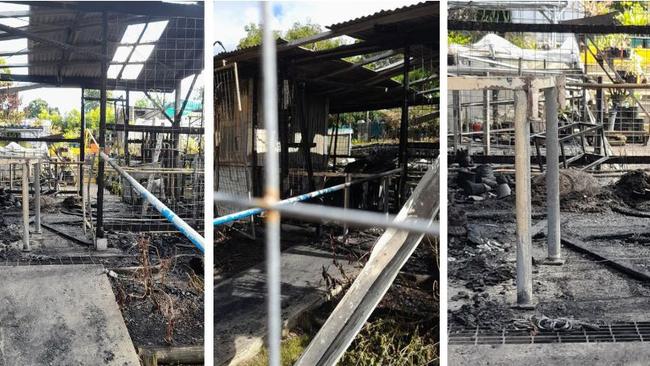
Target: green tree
pixel 72 122
pixel 36 107
pixel 94 93
pixel 297 31
pixel 253 36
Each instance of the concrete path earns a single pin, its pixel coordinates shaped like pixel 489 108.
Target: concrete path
pixel 61 315
pixel 596 354
pixel 240 302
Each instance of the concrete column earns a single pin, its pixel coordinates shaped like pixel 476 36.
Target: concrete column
pixel 37 196
pixel 552 177
pixel 534 105
pixel 523 202
pixel 25 188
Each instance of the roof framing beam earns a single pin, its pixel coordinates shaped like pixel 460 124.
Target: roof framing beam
pixel 92 23
pixel 89 83
pixel 356 65
pixel 51 42
pixel 164 9
pixel 454 25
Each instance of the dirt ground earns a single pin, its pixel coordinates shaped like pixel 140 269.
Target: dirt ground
pixel 482 256
pixel 405 322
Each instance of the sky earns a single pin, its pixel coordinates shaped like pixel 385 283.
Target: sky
pixel 65 99
pixel 230 17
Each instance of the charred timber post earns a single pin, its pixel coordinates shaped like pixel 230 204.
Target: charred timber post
pixel 552 177
pixel 523 201
pixel 600 113
pixel 25 204
pixel 102 129
pixel 82 143
pixel 403 129
pixel 486 122
pixel 456 124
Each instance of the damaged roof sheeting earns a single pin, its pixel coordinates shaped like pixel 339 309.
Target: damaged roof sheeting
pixel 353 88
pixel 146 50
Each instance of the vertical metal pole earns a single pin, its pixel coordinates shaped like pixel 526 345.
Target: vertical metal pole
pixel 600 114
pixel 82 144
pixel 37 196
pixel 272 187
pixel 12 176
pixel 127 121
pixel 346 200
pixel 102 129
pixel 336 140
pixel 455 100
pixel 403 128
pixel 487 122
pixel 178 102
pixel 384 184
pixel 523 201
pixel 552 177
pixel 25 188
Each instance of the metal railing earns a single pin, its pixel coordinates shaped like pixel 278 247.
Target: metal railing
pixel 182 227
pixel 303 197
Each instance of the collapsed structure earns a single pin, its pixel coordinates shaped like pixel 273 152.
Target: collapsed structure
pixel 561 107
pixel 118 169
pixel 315 90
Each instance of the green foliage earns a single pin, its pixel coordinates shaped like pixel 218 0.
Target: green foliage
pixel 36 107
pixel 391 342
pixel 253 36
pixel 94 93
pixel 92 117
pixel 143 103
pixel 634 13
pixel 461 38
pixel 630 13
pixel 290 351
pixel 522 40
pixel 297 31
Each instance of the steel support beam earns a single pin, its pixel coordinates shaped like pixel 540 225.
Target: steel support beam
pixel 82 143
pixel 404 125
pixel 102 130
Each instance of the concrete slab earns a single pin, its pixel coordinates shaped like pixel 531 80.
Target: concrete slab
pixel 240 302
pixel 61 315
pixel 611 354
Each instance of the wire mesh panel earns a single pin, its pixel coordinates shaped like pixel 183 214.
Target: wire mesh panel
pixel 234 108
pixel 154 124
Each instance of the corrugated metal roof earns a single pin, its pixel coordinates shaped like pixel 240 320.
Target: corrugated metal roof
pixel 414 24
pixel 426 4
pixel 177 54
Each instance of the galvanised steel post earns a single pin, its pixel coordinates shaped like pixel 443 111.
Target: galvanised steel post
pixel 272 187
pixel 552 176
